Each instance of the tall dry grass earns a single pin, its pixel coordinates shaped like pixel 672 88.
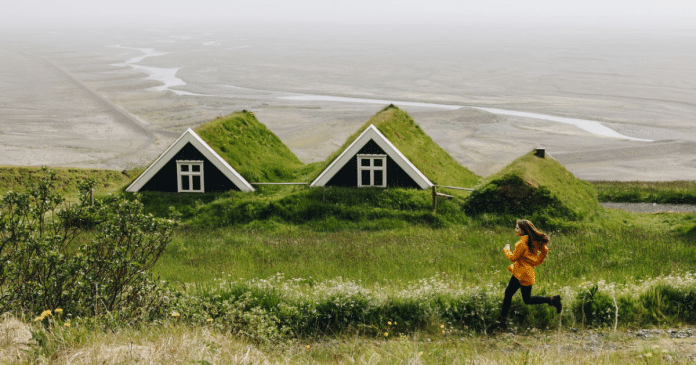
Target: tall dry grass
pixel 183 344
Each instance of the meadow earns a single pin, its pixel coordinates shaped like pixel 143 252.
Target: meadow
pixel 291 274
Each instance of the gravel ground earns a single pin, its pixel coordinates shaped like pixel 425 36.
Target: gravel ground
pixel 671 345
pixel 652 207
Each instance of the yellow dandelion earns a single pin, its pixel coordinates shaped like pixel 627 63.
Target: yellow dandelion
pixel 209 319
pixel 39 318
pixel 307 346
pixel 420 353
pixel 46 313
pixel 59 311
pixel 66 324
pixel 649 354
pixel 389 323
pixel 386 334
pixel 175 314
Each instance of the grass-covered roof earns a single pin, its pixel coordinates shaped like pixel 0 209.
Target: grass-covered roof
pixel 403 132
pixel 534 186
pixel 251 148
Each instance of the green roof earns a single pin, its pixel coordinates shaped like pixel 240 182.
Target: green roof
pixel 532 185
pixel 426 155
pixel 250 148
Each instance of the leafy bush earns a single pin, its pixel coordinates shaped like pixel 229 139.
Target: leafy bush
pixel 594 308
pixel 48 260
pixel 511 195
pixel 666 303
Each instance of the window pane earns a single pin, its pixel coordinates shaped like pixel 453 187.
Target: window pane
pixel 365 177
pixel 195 168
pixel 185 183
pixel 378 177
pixel 377 162
pixel 364 162
pixel 184 168
pixel 196 182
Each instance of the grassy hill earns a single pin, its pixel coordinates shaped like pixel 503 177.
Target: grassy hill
pixel 19 178
pixel 532 186
pixel 251 148
pixel 434 162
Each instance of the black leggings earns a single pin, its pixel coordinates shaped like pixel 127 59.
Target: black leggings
pixel 511 289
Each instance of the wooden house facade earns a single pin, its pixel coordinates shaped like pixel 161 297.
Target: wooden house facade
pixel 189 165
pixel 372 161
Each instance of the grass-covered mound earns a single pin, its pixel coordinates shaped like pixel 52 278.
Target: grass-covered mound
pixel 252 149
pixel 330 209
pixel 534 187
pixel 20 178
pixel 434 162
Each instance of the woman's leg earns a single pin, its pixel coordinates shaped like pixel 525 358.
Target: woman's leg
pixel 529 299
pixel 511 289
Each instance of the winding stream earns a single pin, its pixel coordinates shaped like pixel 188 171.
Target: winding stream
pixel 167 76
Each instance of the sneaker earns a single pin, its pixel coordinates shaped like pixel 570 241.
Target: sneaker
pixel 556 302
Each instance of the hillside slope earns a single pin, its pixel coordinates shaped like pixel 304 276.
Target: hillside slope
pixel 19 178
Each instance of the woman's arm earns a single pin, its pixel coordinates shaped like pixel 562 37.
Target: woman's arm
pixel 520 246
pixel 542 256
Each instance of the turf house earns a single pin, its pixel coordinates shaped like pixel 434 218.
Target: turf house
pixel 190 165
pixel 372 161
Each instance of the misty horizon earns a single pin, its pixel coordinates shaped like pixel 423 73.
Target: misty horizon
pixel 441 13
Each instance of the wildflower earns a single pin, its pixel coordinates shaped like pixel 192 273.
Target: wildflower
pixel 59 311
pixel 656 347
pixel 386 334
pixel 209 320
pixel 66 324
pixel 649 354
pixel 39 318
pixel 395 323
pixel 307 346
pixel 389 323
pixel 442 326
pixel 175 314
pixel 46 313
pixel 420 353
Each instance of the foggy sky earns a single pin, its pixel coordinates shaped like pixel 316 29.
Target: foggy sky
pixel 505 13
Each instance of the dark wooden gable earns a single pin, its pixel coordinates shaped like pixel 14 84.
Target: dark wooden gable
pixel 347 176
pixel 213 179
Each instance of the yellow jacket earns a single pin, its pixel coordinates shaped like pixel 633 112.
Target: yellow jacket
pixel 524 261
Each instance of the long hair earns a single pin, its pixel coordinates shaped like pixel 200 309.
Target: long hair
pixel 534 234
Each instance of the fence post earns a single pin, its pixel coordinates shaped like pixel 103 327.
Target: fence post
pixel 434 199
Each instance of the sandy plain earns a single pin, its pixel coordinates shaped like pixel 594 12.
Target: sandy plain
pixel 96 99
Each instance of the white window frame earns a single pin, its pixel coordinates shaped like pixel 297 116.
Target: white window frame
pixel 180 175
pixel 372 168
